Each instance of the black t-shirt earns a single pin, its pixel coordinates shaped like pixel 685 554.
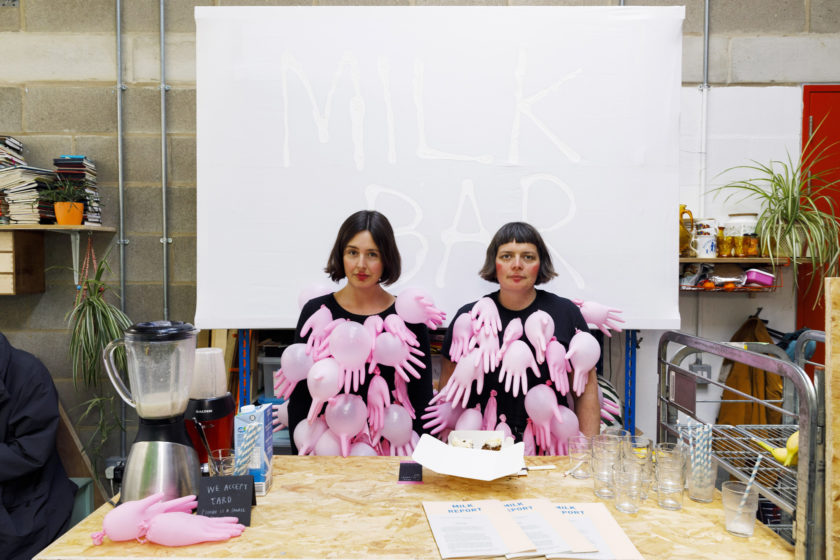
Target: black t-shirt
pixel 419 390
pixel 566 316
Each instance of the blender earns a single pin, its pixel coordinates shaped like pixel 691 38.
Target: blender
pixel 211 408
pixel 159 357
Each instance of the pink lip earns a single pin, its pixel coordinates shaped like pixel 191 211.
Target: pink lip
pixel 362 276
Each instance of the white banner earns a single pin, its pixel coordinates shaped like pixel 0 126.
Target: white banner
pixel 451 121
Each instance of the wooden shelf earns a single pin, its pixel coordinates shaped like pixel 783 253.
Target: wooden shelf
pixel 56 227
pixel 781 261
pixel 72 231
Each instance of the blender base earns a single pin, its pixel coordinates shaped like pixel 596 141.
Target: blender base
pixel 160 466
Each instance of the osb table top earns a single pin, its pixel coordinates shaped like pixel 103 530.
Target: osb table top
pixel 333 507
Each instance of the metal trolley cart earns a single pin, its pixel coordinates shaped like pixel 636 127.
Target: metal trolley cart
pixel 798 491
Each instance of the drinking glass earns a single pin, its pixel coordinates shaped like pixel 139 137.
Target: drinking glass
pixel 580 456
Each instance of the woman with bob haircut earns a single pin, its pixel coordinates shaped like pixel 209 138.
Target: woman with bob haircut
pixel 518 260
pixel 365 252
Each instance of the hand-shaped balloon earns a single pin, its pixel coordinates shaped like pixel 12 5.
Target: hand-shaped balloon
pixel 515 366
pixel 395 325
pixel 328 445
pixel 294 365
pixel 528 438
pixel 351 344
pixel 461 334
pixel 441 416
pixel 558 367
pixel 513 331
pixel 323 381
pixel 346 415
pixel 541 406
pixel 400 393
pixel 583 354
pixel 502 426
pixel 489 352
pixel 459 386
pixel 397 428
pixel 488 421
pixel 306 434
pixel 127 521
pixel 470 419
pixel 374 325
pixel 378 398
pixel 485 315
pixel 280 415
pixel 362 449
pixel 609 408
pixel 181 529
pixel 415 305
pixel 600 316
pixel 539 329
pixel 561 431
pixel 390 350
pixel 316 322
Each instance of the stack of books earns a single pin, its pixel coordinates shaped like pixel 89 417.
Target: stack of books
pixel 11 152
pixel 20 186
pixel 80 169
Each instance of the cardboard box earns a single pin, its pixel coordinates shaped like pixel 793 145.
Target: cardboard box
pixel 260 464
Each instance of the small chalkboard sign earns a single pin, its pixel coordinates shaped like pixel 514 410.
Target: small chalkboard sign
pixel 227 496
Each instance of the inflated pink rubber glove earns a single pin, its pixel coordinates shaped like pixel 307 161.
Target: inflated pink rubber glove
pixel 513 331
pixel 321 349
pixel 181 529
pixel 351 344
pixel 374 325
pixel 400 394
pixel 459 387
pixel 441 416
pixel 294 365
pixel 390 350
pixel 346 416
pixel 599 315
pixel 395 325
pixel 324 381
pixel 502 426
pixel 415 305
pixel 126 521
pixel 316 323
pixel 406 449
pixel 307 434
pixel 378 398
pixel 461 334
pixel 539 329
pixel 558 367
pixel 488 345
pixel 489 419
pixel 609 409
pixel 515 366
pixel 485 316
pixel 528 439
pixel 583 355
pixel 397 428
pixel 470 419
pixel 541 406
pixel 562 431
pixel 280 416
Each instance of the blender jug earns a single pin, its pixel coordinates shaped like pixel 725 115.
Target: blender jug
pixel 159 357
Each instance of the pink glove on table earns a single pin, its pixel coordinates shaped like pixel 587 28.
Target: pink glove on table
pixel 181 529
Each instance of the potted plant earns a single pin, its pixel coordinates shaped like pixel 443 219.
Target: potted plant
pixel 94 322
pixel 68 198
pixel 798 218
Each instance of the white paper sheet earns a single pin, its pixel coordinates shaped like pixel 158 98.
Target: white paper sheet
pixel 477 464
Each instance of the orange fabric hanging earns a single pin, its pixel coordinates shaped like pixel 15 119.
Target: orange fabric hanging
pixel 752 381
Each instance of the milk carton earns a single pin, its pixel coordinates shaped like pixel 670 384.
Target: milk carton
pixel 260 464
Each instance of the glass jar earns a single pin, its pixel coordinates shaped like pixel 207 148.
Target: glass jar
pixel 740 228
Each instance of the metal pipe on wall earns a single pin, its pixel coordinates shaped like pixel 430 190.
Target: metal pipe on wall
pixel 165 239
pixel 704 117
pixel 121 190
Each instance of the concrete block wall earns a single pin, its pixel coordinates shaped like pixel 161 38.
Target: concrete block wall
pixel 58 89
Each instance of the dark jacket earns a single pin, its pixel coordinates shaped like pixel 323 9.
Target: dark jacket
pixel 36 496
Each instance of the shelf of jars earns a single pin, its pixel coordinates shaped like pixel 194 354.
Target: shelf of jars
pixel 734 286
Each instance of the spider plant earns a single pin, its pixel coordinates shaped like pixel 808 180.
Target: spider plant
pixel 798 217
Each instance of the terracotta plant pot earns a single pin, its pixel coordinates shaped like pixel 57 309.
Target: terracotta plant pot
pixel 69 213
